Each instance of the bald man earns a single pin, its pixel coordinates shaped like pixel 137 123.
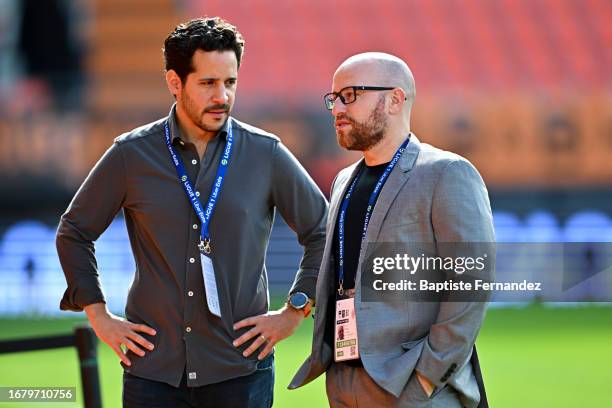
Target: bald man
pixel 389 354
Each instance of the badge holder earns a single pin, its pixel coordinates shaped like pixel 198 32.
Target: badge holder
pixel 346 344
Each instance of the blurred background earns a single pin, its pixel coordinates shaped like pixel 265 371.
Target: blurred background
pixel 522 88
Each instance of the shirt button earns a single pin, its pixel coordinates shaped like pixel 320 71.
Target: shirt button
pixel 194 161
pixel 197 193
pixel 191 260
pixel 190 293
pixel 195 226
pixel 188 329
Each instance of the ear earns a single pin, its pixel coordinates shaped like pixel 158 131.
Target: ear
pixel 398 98
pixel 173 81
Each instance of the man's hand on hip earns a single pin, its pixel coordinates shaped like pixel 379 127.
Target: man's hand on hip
pixel 117 332
pixel 268 329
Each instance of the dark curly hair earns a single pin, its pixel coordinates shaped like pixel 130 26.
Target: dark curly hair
pixel 206 34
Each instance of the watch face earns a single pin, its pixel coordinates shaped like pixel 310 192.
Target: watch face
pixel 298 300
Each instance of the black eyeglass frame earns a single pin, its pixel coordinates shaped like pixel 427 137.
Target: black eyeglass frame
pixel 329 104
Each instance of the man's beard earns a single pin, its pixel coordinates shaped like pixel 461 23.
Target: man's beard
pixel 364 136
pixel 198 117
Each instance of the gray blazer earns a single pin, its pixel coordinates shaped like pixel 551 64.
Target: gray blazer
pixel 430 196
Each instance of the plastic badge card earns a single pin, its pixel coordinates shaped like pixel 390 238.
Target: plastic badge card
pixel 345 337
pixel 210 285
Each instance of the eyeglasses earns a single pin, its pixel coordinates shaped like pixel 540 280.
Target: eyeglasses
pixel 349 94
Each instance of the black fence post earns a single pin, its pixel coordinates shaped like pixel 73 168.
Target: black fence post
pixel 86 343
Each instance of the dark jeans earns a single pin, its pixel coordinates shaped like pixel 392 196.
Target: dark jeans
pixel 252 391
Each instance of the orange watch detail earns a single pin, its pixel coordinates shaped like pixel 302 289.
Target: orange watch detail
pixel 300 301
pixel 307 309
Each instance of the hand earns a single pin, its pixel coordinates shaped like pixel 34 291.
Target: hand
pixel 269 329
pixel 427 385
pixel 116 332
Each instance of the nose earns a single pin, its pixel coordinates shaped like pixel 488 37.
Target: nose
pixel 339 107
pixel 221 94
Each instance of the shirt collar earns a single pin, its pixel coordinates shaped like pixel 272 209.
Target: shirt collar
pixel 175 131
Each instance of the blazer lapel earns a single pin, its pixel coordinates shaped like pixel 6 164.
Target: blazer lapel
pixel 398 177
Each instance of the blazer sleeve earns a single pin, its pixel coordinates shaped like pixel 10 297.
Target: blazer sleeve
pixel 461 213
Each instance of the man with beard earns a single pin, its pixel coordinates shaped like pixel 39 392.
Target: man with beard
pixel 199 190
pixel 406 354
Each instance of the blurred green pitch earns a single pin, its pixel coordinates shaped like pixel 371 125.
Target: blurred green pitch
pixel 531 357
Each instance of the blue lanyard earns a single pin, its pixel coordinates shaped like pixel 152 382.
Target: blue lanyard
pixel 204 214
pixel 369 209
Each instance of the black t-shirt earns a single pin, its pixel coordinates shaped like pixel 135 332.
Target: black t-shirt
pixel 353 231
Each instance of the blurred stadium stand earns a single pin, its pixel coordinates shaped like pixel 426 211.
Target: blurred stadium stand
pixel 475 45
pixel 521 88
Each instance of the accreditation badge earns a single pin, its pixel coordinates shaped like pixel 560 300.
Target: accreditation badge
pixel 210 285
pixel 345 333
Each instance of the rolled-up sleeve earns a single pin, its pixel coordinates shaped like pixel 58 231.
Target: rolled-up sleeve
pixel 91 211
pixel 304 208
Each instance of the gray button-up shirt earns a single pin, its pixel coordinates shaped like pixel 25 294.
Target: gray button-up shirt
pixel 136 174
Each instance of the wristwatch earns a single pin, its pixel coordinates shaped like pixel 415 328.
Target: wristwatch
pixel 300 301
